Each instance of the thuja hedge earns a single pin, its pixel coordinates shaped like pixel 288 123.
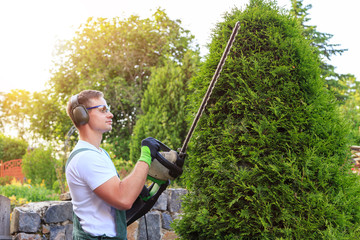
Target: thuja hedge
pixel 270 156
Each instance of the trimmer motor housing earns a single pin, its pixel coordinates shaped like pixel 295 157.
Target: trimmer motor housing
pixel 167 165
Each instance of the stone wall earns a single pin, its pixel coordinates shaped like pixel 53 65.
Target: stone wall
pixel 53 220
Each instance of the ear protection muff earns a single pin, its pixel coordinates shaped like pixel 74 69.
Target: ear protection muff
pixel 79 112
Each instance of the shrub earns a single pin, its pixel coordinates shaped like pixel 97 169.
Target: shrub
pixel 11 148
pixel 39 165
pixel 270 156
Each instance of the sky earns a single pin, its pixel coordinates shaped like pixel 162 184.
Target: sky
pixel 30 29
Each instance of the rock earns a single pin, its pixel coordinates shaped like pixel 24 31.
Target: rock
pixel 132 230
pixel 26 236
pixel 24 221
pixel 65 197
pixel 166 221
pixel 58 213
pixel 161 203
pixel 38 207
pixel 174 199
pixel 68 231
pixel 57 232
pixel 149 229
pixel 45 229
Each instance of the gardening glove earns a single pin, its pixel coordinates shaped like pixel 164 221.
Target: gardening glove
pixel 149 148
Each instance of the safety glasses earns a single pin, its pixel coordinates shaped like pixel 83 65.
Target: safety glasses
pixel 102 108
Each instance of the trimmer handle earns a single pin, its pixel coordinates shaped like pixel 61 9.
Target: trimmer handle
pixel 179 162
pixel 163 147
pixel 146 200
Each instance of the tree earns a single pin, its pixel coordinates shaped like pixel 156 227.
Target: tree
pixel 326 49
pixel 164 104
pixel 14 108
pixel 115 56
pixel 48 118
pixel 270 156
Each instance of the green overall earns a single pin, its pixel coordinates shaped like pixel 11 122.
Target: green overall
pixel 120 217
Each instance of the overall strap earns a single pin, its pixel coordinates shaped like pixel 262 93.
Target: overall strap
pixel 76 152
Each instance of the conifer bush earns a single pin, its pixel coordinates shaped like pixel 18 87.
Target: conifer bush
pixel 164 104
pixel 269 158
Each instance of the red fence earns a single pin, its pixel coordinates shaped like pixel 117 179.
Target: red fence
pixel 12 168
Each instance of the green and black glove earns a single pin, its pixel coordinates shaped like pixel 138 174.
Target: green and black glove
pixel 149 148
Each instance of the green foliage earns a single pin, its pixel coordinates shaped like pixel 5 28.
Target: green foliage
pixel 351 107
pixel 164 105
pixel 270 156
pixel 51 121
pixel 19 111
pixel 14 110
pixel 39 165
pixel 27 193
pixel 11 148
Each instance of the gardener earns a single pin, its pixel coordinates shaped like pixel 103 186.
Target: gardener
pixel 99 197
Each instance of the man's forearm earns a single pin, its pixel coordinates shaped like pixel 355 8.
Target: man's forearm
pixel 132 184
pixel 121 194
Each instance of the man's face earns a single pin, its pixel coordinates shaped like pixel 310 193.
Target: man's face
pixel 100 117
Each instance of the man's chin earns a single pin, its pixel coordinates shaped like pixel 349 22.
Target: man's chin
pixel 108 130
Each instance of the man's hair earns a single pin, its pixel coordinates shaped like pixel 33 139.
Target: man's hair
pixel 83 98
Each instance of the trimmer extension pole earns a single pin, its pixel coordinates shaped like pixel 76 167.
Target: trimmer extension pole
pixel 211 87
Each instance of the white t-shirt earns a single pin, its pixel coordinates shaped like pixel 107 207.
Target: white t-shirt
pixel 86 171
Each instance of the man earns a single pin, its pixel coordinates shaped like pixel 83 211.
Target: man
pixel 99 197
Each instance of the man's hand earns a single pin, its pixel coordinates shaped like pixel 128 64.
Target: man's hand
pixel 149 148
